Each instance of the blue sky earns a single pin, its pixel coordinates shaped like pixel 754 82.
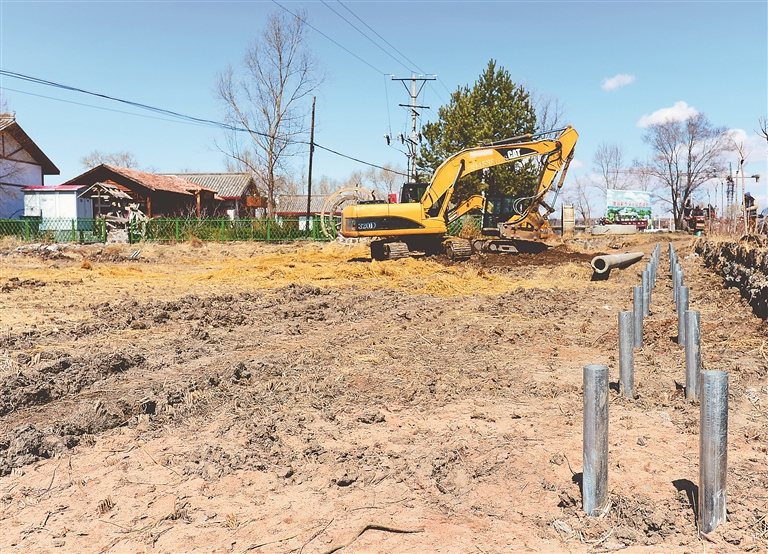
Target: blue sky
pixel 711 57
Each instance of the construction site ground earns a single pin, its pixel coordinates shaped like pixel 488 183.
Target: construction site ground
pixel 303 398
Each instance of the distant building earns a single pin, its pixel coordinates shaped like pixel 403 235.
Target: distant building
pixel 154 195
pixel 236 193
pixel 22 164
pixel 293 208
pixel 58 202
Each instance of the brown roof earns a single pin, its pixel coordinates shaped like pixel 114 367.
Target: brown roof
pixel 9 125
pixel 152 181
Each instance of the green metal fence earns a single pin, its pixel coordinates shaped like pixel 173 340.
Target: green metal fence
pixel 180 230
pixel 54 230
pixel 224 230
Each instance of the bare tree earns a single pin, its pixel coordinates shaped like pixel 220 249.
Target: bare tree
pixel 762 123
pixel 550 113
pixel 579 193
pixel 609 164
pixel 268 102
pixel 120 159
pixel 685 155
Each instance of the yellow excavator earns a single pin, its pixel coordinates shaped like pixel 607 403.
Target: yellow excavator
pixel 419 222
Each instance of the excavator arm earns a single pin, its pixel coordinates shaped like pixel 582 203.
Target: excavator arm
pixel 473 203
pixel 515 149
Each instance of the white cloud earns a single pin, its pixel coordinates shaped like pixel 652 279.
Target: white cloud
pixel 679 112
pixel 576 164
pixel 620 80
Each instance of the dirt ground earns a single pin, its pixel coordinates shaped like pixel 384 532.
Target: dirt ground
pixel 302 398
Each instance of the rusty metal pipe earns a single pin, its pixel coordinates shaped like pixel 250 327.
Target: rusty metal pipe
pixel 602 265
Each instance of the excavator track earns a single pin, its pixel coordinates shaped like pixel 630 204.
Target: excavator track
pixel 396 250
pixel 457 249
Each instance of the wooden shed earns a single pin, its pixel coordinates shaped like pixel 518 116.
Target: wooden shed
pixel 156 195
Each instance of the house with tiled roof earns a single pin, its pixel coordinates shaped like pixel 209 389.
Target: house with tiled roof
pixel 156 195
pixel 295 205
pixel 22 164
pixel 236 193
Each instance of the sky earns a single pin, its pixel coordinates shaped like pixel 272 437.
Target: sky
pixel 614 66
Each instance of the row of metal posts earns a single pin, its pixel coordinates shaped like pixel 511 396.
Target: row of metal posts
pixel 710 386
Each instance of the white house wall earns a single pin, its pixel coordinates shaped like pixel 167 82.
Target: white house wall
pixel 17 169
pixel 11 202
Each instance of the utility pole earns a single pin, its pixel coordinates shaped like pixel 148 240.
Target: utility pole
pixel 309 172
pixel 412 142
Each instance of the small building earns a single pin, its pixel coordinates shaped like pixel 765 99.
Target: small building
pixel 22 164
pixel 152 194
pixel 236 193
pixel 293 207
pixel 57 202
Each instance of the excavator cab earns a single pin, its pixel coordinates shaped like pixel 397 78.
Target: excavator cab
pixel 500 209
pixel 412 192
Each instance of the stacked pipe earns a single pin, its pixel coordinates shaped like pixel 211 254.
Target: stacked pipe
pixel 712 386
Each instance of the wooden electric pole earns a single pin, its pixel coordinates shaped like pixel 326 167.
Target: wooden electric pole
pixel 309 172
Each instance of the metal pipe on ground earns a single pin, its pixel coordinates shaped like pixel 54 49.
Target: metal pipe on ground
pixel 595 477
pixel 627 354
pixel 692 353
pixel 713 449
pixel 637 308
pixel 602 265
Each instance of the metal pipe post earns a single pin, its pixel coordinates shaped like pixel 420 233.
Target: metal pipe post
pixel 637 305
pixel 674 283
pixel 649 269
pixel 682 306
pixel 627 354
pixel 692 353
pixel 595 477
pixel 713 449
pixel 646 299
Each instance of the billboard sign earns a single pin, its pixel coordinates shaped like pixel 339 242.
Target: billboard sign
pixel 628 205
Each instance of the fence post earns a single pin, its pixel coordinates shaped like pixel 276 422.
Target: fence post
pixel 269 227
pixel 74 232
pixel 595 476
pixel 222 230
pixel 637 305
pixel 692 353
pixel 26 229
pixel 646 295
pixel 682 307
pixel 713 449
pixel 627 354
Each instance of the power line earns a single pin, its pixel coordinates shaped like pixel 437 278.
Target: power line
pixel 177 115
pixel 308 24
pixel 99 107
pixel 362 33
pixel 381 37
pixel 360 161
pixel 373 41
